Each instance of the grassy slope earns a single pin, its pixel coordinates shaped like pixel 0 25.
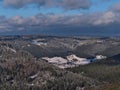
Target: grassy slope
pixel 103 71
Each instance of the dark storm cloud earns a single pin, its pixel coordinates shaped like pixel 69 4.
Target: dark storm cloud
pixel 65 4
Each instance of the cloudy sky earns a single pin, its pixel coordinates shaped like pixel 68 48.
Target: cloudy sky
pixel 60 17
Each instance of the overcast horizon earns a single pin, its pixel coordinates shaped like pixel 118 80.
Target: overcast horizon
pixel 60 17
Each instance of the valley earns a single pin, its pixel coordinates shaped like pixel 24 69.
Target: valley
pixel 48 62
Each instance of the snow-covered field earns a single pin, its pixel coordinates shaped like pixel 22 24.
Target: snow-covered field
pixel 71 61
pixel 39 42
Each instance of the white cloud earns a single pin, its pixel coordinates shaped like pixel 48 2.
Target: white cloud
pixel 105 18
pixel 65 4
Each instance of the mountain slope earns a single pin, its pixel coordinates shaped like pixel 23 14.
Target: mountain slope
pixel 19 70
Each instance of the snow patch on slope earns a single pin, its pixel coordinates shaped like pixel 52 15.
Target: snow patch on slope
pixel 11 49
pixel 71 61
